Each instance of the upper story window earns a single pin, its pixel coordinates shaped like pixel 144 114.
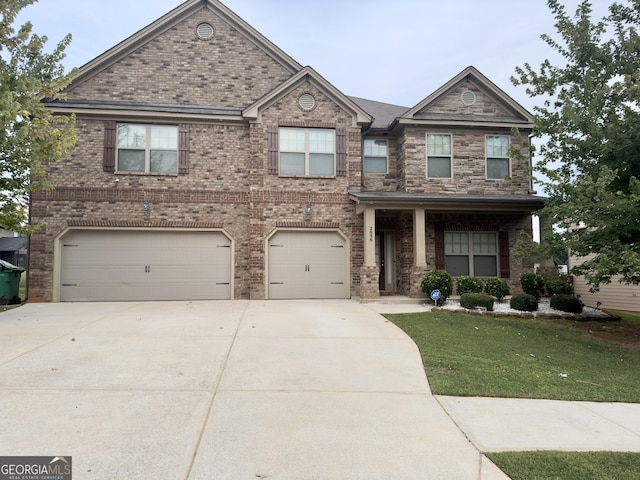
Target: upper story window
pixel 147 148
pixel 438 155
pixel 375 156
pixel 497 153
pixel 307 151
pixel 471 253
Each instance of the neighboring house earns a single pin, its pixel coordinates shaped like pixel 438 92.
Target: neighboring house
pixel 211 165
pixel 612 296
pixel 13 248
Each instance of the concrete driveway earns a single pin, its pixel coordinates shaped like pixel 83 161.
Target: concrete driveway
pixel 224 390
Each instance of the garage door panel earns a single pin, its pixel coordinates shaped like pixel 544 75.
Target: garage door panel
pixel 139 265
pixel 307 265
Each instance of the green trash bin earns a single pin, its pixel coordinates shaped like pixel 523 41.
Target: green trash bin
pixel 9 283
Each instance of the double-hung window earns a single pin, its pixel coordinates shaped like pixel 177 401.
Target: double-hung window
pixel 497 152
pixel 438 155
pixel 307 151
pixel 375 156
pixel 147 148
pixel 471 253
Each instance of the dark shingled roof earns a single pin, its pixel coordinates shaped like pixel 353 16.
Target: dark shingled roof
pixel 12 244
pixel 383 113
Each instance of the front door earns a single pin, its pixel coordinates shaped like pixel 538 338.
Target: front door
pixel 385 259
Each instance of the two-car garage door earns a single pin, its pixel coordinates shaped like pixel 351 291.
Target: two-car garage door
pixel 128 265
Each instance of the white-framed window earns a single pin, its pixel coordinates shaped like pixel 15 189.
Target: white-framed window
pixel 375 154
pixel 307 151
pixel 147 148
pixel 471 253
pixel 497 153
pixel 438 155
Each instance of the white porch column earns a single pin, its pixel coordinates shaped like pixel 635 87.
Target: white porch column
pixel 419 239
pixel 370 237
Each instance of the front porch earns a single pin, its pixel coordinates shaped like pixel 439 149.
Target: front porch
pixel 404 238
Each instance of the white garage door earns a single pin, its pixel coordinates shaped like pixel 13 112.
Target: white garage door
pixel 145 265
pixel 308 265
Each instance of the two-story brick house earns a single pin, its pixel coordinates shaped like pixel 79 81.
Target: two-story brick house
pixel 211 165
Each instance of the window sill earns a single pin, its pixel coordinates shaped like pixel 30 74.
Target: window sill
pixel 147 174
pixel 310 177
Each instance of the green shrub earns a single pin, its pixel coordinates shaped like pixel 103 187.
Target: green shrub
pixel 532 284
pixel 524 302
pixel 437 280
pixel 473 300
pixel 556 285
pixel 497 287
pixel 467 284
pixel 566 303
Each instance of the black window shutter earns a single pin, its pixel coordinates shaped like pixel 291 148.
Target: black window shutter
pixel 109 158
pixel 341 152
pixel 273 153
pixel 183 148
pixel 503 245
pixel 440 258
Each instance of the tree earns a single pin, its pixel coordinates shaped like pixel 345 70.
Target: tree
pixel 589 125
pixel 30 135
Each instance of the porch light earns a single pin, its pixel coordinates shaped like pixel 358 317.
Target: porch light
pixel 307 214
pixel 147 208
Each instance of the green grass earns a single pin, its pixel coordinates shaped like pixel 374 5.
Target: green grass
pixel 470 355
pixel 568 465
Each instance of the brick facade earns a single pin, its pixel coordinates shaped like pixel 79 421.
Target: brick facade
pixel 229 186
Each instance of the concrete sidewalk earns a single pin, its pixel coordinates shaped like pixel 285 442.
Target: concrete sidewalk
pixel 254 389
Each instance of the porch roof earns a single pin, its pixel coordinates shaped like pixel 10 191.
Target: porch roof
pixel 448 202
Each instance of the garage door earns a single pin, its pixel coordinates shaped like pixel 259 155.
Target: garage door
pixel 308 265
pixel 145 265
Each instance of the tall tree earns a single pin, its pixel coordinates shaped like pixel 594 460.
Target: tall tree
pixel 589 127
pixel 30 135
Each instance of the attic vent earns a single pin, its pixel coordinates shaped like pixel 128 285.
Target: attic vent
pixel 204 31
pixel 307 102
pixel 468 97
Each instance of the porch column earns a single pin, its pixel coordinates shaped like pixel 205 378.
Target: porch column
pixel 419 268
pixel 370 237
pixel 370 272
pixel 419 240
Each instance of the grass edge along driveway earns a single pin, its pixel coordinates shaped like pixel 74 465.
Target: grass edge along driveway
pixel 470 355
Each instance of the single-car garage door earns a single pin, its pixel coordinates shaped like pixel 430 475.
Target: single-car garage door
pixel 307 265
pixel 106 265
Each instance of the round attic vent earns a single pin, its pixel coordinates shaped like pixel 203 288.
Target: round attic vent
pixel 307 102
pixel 204 31
pixel 468 97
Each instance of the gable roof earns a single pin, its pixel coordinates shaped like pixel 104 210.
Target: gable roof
pixel 170 19
pixel 360 116
pixel 517 113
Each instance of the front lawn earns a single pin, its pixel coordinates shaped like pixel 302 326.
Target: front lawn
pixel 471 355
pixel 568 465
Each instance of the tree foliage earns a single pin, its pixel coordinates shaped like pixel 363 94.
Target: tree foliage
pixel 589 125
pixel 30 135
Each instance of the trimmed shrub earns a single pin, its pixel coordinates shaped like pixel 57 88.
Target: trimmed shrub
pixel 437 280
pixel 524 302
pixel 556 285
pixel 473 300
pixel 467 284
pixel 532 284
pixel 497 287
pixel 566 303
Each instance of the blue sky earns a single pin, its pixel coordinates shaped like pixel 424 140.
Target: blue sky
pixel 391 51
